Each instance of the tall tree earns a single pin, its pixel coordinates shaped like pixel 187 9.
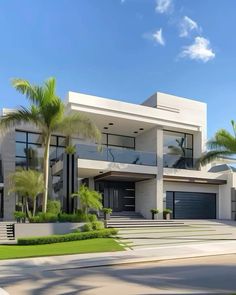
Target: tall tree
pixel 29 184
pixel 47 112
pixel 222 144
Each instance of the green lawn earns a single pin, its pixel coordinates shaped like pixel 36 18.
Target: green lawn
pixel 75 247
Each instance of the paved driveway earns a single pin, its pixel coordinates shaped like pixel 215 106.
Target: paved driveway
pixel 189 232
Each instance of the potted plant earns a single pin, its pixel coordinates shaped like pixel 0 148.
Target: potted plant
pixel 154 212
pixel 166 213
pixel 20 216
pixel 107 212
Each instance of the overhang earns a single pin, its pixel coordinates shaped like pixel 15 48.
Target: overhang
pixel 197 180
pixel 123 176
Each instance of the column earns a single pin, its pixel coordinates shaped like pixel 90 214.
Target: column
pixel 159 177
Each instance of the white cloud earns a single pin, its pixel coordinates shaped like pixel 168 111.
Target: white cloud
pixel 158 37
pixel 187 25
pixel 199 50
pixel 164 6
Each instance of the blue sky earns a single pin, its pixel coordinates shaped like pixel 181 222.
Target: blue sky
pixel 123 49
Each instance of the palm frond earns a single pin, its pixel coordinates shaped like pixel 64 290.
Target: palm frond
pixel 23 115
pixel 28 183
pixel 213 155
pixel 78 125
pixel 32 92
pixel 222 140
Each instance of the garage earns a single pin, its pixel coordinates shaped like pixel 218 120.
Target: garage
pixel 191 205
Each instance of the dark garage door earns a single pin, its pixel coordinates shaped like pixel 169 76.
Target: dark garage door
pixel 189 205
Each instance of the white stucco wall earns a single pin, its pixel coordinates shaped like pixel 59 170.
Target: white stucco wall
pixel 145 197
pixel 147 141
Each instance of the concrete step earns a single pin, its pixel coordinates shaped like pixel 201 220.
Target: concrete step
pixel 6 231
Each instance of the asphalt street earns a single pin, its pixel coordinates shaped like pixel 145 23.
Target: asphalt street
pixel 206 275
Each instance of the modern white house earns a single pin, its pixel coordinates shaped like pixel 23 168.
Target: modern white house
pixel 149 159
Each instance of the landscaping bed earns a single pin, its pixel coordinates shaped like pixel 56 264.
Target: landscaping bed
pixel 102 233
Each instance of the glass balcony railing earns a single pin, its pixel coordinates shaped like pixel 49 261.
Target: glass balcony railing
pixel 119 155
pixel 179 162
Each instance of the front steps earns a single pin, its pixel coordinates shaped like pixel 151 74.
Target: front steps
pixel 7 232
pixel 140 223
pixel 136 220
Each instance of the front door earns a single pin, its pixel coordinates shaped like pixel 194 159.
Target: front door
pixel 120 196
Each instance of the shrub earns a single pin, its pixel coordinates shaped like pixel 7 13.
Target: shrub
pixel 64 217
pixel 87 227
pixel 19 215
pixel 53 207
pixel 43 217
pixel 97 225
pixel 92 217
pixel 104 233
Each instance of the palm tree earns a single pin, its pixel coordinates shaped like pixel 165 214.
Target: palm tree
pixel 222 144
pixel 89 199
pixel 29 184
pixel 47 113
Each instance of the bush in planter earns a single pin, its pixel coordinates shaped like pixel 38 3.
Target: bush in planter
pixel 79 217
pixel 96 225
pixel 20 216
pixel 154 212
pixel 103 233
pixel 64 217
pixel 53 207
pixel 44 218
pixel 107 212
pixel 166 213
pixel 87 227
pixel 92 217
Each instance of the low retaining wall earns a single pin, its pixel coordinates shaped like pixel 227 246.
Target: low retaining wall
pixel 23 230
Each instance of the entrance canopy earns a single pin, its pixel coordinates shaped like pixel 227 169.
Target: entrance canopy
pixel 124 176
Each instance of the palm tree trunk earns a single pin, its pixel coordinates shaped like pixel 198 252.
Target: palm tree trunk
pixel 34 206
pixel 46 171
pixel 27 207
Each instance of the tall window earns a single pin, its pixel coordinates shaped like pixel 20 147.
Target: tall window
pixel 29 150
pixel 178 150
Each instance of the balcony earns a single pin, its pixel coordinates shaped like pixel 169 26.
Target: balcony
pixel 179 162
pixel 115 154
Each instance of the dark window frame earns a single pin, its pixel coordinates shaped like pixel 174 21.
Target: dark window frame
pixel 185 133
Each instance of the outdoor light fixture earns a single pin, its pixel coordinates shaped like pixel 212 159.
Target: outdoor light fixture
pixel 111 124
pixel 141 129
pixel 135 131
pixel 105 127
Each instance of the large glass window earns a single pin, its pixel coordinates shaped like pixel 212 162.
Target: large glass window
pixel 120 141
pixel 29 150
pixel 178 150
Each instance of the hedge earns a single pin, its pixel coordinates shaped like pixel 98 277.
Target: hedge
pixel 103 233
